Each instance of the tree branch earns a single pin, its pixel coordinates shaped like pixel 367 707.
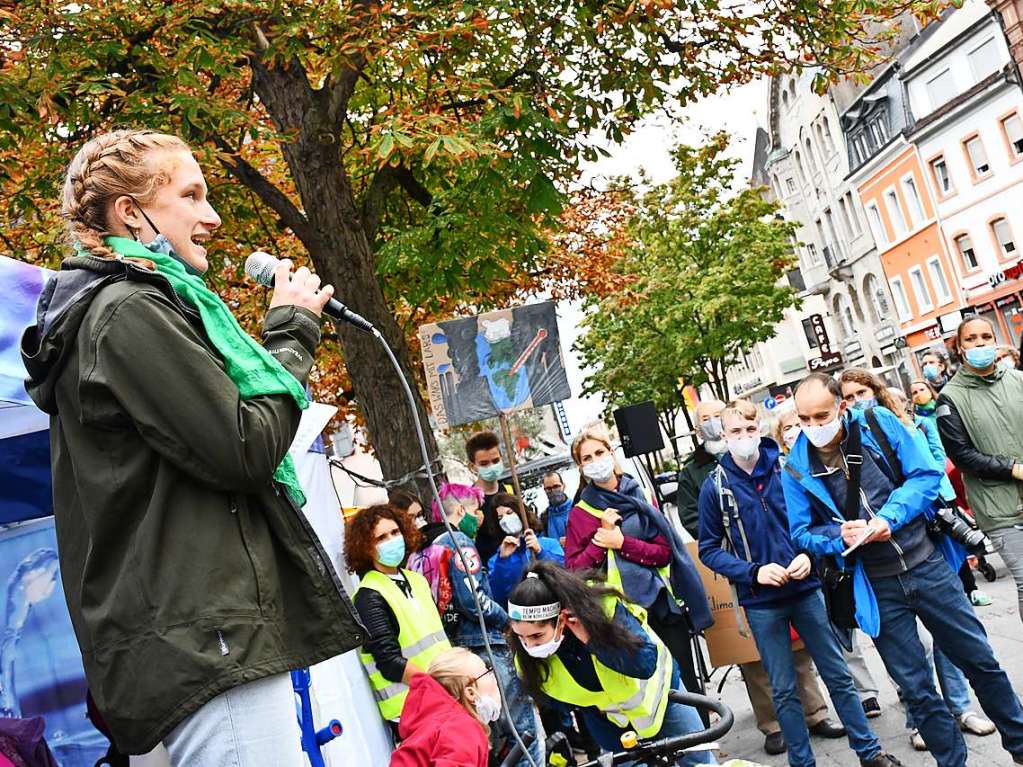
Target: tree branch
pixel 412 187
pixel 279 202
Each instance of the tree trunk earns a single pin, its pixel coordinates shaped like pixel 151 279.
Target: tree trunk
pixel 331 228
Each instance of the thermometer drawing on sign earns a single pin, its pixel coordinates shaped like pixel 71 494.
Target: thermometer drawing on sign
pixel 541 334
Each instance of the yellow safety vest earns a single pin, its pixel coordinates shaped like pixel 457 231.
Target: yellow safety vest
pixel 624 700
pixel 420 634
pixel 614 576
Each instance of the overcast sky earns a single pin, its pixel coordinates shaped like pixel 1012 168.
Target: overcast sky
pixel 739 112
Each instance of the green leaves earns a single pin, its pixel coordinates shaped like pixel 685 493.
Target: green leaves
pixel 704 282
pixel 543 196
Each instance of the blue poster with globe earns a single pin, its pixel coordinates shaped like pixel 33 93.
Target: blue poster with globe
pixel 494 363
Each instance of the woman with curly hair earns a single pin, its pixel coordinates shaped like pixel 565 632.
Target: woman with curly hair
pixel 404 629
pixel 582 647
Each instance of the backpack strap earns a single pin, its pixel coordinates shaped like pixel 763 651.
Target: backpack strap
pixel 727 505
pixel 854 462
pixel 885 445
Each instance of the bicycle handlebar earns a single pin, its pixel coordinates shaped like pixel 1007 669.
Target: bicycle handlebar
pixel 677 743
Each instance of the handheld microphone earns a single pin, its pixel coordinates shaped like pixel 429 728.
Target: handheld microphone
pixel 260 267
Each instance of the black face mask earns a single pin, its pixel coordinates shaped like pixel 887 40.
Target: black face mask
pixel 556 497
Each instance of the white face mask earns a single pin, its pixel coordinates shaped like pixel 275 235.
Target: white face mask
pixel 1006 363
pixel 715 446
pixel 790 436
pixel 511 524
pixel 600 469
pixel 744 448
pixel 821 436
pixel 488 708
pixel 547 649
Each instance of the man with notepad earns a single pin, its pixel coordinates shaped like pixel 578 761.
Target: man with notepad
pixel 859 492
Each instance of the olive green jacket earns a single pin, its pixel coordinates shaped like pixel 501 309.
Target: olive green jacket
pixel 989 409
pixel 187 571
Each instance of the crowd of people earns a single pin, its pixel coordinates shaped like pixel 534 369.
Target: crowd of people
pixel 851 515
pixel 854 519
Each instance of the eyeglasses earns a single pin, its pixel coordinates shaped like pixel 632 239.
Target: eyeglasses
pixel 489 670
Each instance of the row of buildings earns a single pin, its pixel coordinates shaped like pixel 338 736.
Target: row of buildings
pixel 903 190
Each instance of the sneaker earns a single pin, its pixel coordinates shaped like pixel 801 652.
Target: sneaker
pixel 881 760
pixel 916 740
pixel 975 724
pixel 871 708
pixel 979 599
pixel 775 744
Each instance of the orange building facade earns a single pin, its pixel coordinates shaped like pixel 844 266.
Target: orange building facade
pixel 901 213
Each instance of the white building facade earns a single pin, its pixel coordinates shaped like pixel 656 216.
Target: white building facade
pixel 967 105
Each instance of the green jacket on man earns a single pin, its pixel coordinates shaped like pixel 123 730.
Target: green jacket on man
pixel 187 571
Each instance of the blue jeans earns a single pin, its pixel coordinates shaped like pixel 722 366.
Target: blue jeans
pixel 933 593
pixel 678 720
pixel 520 705
pixel 770 626
pixel 954 689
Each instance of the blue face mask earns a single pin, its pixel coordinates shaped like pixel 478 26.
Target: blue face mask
pixel 391 553
pixel 931 372
pixel 491 473
pixel 981 357
pixel 865 404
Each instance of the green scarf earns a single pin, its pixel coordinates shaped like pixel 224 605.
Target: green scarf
pixel 246 362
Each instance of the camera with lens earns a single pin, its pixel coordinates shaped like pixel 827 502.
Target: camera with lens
pixel 948 522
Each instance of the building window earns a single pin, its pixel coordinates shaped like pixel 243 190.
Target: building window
pixel 901 302
pixel 939 168
pixel 790 185
pixel 876 225
pixel 1003 236
pixel 941 88
pixel 895 211
pixel 937 274
pixel 920 291
pixel 916 208
pixel 811 336
pixel 965 247
pixel 844 311
pixel 978 157
pixel 984 59
pixel 1013 128
pixel 878 300
pixel 878 130
pixel 844 207
pixel 811 163
pixel 857 227
pixel 799 169
pixel 812 256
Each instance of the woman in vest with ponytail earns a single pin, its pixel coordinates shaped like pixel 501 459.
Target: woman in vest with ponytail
pixel 980 415
pixel 616 527
pixel 404 630
pixel 586 649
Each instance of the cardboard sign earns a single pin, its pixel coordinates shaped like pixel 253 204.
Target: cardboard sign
pixel 726 645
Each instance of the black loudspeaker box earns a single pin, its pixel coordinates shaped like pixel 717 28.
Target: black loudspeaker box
pixel 638 427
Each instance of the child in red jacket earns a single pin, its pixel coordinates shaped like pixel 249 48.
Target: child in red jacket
pixel 444 722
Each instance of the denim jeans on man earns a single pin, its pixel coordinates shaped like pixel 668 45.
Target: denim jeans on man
pixel 933 592
pixel 770 627
pixel 955 690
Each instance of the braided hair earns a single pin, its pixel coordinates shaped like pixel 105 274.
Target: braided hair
pixel 109 166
